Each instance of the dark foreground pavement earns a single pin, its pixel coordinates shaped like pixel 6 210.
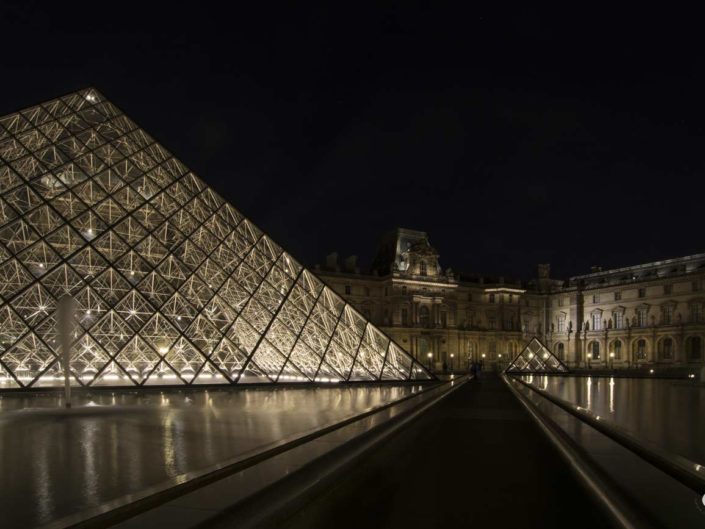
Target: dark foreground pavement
pixel 476 459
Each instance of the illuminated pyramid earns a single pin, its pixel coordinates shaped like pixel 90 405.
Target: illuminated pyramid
pixel 536 358
pixel 172 285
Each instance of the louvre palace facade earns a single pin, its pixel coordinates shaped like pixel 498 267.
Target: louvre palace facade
pixel 644 315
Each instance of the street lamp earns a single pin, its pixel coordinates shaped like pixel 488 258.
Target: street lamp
pixel 429 355
pixel 611 360
pixel 451 361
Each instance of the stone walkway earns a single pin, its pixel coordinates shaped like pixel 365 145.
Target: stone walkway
pixel 474 460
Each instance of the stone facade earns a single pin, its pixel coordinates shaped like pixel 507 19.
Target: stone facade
pixel 644 314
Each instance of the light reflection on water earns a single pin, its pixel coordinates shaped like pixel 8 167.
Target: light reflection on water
pixel 55 462
pixel 669 413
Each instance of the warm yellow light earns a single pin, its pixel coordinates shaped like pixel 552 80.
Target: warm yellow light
pixel 429 355
pixel 483 355
pixel 611 355
pixel 163 350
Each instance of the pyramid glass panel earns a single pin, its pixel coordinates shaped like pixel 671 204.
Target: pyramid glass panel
pixel 536 358
pixel 172 285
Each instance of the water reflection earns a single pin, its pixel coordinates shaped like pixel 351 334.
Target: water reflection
pixel 54 462
pixel 669 413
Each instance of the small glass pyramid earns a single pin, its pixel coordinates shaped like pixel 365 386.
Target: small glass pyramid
pixel 172 284
pixel 536 358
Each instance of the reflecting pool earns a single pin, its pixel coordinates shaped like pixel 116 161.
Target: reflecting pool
pixel 55 462
pixel 668 413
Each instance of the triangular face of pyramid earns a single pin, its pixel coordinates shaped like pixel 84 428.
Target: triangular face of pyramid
pixel 172 285
pixel 536 358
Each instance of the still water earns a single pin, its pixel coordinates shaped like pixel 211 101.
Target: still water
pixel 55 462
pixel 668 413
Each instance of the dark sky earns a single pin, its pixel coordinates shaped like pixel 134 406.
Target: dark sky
pixel 511 137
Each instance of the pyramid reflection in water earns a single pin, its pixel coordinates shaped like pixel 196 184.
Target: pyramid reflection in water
pixel 172 285
pixel 536 358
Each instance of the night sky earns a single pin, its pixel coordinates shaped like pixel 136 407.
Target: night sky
pixel 511 137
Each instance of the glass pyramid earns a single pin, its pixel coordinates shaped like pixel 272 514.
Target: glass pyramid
pixel 536 358
pixel 172 284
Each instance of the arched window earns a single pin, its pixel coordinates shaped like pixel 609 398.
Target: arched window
pixel 595 350
pixel 617 349
pixel 694 348
pixel 665 349
pixel 560 351
pixel 424 318
pixel 640 349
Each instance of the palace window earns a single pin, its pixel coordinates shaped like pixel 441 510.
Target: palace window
pixel 596 322
pixel 444 319
pixel 595 298
pixel 641 350
pixel 491 298
pixel 618 320
pixel 560 302
pixel 348 290
pixel 666 349
pixel 469 296
pixel 696 312
pixel 595 350
pixel 561 351
pixel 642 292
pixel 696 286
pixel 511 298
pixel 492 347
pixel 617 350
pixel 617 296
pixel 405 317
pixel 641 318
pixel 561 323
pixel 422 268
pixel 667 289
pixel 693 348
pixel 403 291
pixel 667 313
pixel 367 291
pixel 424 317
pixel 492 323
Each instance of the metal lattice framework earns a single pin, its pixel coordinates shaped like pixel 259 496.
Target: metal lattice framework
pixel 536 358
pixel 172 284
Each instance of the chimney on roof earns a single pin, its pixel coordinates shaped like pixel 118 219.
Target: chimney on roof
pixel 332 261
pixel 350 265
pixel 544 271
